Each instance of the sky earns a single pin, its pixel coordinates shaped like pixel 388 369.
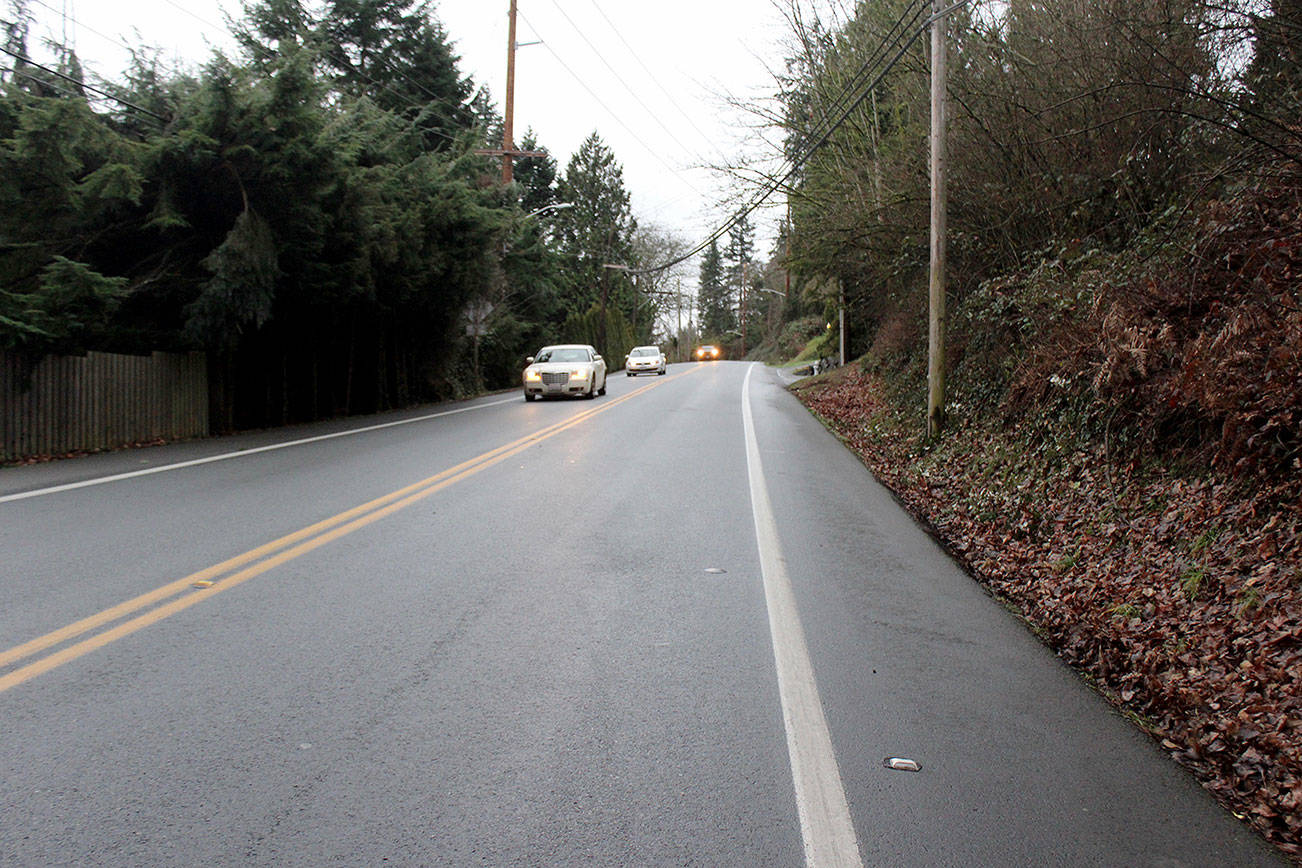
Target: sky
pixel 654 79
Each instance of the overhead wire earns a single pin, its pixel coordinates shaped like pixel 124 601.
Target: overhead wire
pixel 825 126
pixel 846 101
pixel 891 38
pixel 790 166
pixel 614 116
pixel 856 81
pixel 651 75
pixel 596 51
pixel 44 83
pixel 80 25
pixel 82 84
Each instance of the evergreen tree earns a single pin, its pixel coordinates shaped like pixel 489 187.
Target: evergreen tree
pixel 596 230
pixel 397 53
pixel 713 299
pixel 393 52
pixel 738 258
pixel 270 27
pixel 535 175
pixel 286 218
pixel 66 182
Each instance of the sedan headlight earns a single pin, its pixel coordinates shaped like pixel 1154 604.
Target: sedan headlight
pixel 581 374
pixel 532 376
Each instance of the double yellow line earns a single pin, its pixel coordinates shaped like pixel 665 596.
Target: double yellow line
pixel 167 600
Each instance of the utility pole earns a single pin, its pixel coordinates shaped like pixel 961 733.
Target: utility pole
pixel 508 150
pixel 678 298
pixel 508 118
pixel 606 269
pixel 744 278
pixel 936 314
pixel 605 300
pixel 840 314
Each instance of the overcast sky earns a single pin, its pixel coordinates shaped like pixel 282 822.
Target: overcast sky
pixel 652 78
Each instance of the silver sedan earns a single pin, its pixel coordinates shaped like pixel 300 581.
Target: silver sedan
pixel 644 360
pixel 565 369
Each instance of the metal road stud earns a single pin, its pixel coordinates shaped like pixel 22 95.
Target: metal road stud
pixel 901 764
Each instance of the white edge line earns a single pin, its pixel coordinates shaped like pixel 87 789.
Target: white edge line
pixel 86 483
pixel 825 823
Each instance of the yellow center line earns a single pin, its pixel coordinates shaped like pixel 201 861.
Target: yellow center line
pixel 276 553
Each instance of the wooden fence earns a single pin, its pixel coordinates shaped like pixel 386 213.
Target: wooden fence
pixel 99 401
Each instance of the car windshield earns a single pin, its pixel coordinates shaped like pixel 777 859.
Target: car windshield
pixel 644 351
pixel 563 354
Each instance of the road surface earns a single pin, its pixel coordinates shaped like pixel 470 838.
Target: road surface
pixel 676 625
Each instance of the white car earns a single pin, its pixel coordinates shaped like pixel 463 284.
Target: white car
pixel 565 369
pixel 644 360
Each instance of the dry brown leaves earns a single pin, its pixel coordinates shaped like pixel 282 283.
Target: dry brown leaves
pixel 1180 598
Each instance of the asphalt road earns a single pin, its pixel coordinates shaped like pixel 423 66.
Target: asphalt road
pixel 676 625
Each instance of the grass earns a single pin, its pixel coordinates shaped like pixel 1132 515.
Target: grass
pixel 1067 561
pixel 1192 582
pixel 1125 611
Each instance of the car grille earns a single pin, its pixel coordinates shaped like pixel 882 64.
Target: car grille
pixel 550 378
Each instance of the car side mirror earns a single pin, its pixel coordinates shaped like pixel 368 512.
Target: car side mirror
pixel 529 360
pixel 598 359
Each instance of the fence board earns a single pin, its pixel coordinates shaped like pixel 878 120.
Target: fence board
pixel 100 401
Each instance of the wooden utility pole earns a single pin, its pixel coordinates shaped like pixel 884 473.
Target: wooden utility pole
pixel 508 118
pixel 678 298
pixel 605 300
pixel 936 317
pixel 508 151
pixel 744 278
pixel 840 316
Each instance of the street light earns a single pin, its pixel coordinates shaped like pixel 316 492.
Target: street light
pixel 555 206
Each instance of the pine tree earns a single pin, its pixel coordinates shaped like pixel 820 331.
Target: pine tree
pixel 713 299
pixel 535 175
pixel 739 264
pixel 597 229
pixel 397 53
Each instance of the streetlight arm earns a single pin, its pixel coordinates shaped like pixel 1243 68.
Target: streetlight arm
pixel 555 206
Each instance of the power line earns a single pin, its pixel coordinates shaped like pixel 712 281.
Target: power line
pixel 826 127
pixel 856 81
pixel 82 84
pixel 672 99
pixel 73 19
pixel 675 172
pixel 796 162
pixel 43 83
pixel 620 78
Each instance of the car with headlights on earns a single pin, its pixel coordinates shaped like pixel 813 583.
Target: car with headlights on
pixel 645 360
pixel 565 369
pixel 707 353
